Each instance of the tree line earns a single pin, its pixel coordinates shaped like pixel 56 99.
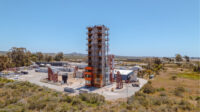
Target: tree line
pixel 155 65
pixel 17 57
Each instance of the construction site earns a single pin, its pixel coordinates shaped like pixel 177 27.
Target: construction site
pixel 100 74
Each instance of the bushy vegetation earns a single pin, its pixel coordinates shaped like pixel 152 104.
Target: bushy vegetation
pixel 154 66
pixel 196 68
pixel 18 96
pixel 149 89
pixel 179 91
pixel 143 101
pixel 147 102
pixel 92 98
pixel 173 77
pixel 5 62
pixel 17 57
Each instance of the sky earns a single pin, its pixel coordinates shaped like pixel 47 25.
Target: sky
pixel 137 27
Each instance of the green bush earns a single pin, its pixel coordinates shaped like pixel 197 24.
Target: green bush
pixel 179 91
pixel 141 98
pixel 149 89
pixel 157 101
pixel 133 98
pixel 92 98
pixel 13 108
pixel 163 94
pixel 160 89
pixel 173 77
pixel 4 80
pixel 185 105
pixel 129 107
pixel 76 101
pixel 197 98
pixel 66 98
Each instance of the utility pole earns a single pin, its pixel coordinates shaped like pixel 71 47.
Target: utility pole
pixel 127 91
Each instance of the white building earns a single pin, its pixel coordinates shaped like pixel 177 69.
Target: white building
pixel 127 74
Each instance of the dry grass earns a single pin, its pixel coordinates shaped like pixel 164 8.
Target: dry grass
pixel 188 80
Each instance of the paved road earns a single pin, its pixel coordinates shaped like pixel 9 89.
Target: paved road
pixel 122 93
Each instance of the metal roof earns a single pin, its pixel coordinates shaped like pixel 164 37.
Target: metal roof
pixel 123 72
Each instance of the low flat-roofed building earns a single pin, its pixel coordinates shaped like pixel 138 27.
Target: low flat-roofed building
pixel 136 68
pixel 56 63
pixel 127 74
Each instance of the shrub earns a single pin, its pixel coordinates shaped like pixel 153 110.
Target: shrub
pixel 129 107
pixel 163 94
pixel 160 89
pixel 92 98
pixel 141 98
pixel 76 101
pixel 178 91
pixel 12 108
pixel 149 82
pixel 166 100
pixel 149 89
pixel 157 101
pixel 198 98
pixel 196 68
pixel 173 77
pixel 1 85
pixel 185 105
pixel 4 80
pixel 137 95
pixel 66 98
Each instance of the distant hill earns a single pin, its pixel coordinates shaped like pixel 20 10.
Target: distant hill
pixel 53 54
pixel 3 52
pixel 75 54
pixel 69 54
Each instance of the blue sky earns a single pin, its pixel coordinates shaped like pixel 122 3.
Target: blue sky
pixel 137 27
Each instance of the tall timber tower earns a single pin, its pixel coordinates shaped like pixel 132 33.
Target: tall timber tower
pixel 97 74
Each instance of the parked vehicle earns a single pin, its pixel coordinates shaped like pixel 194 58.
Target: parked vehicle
pixel 151 76
pixel 24 72
pixel 83 91
pixel 137 84
pixel 70 90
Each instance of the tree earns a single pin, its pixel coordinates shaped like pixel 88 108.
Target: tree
pixel 40 56
pixel 187 58
pixel 19 57
pixel 141 74
pixel 178 58
pixel 59 56
pixel 157 61
pixel 34 58
pixel 149 72
pixel 196 68
pixel 5 63
pixel 48 58
pixel 167 59
pixel 28 58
